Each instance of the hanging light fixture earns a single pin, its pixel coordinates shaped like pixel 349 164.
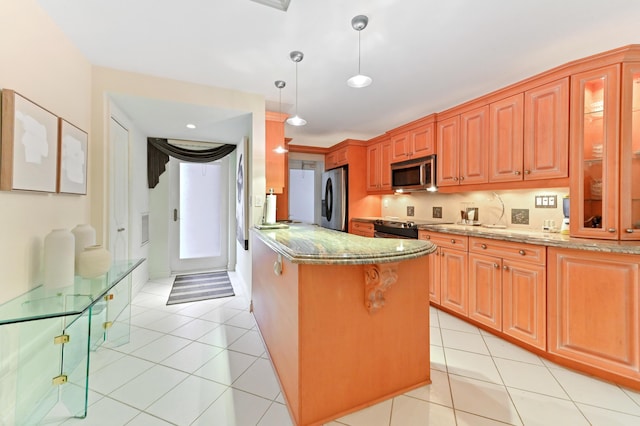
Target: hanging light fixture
pixel 296 120
pixel 359 23
pixel 280 85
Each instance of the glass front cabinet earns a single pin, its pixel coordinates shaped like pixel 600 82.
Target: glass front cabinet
pixel 605 153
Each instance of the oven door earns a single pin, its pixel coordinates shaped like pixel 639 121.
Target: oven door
pixel 380 234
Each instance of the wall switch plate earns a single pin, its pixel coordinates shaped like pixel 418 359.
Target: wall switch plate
pixel 410 210
pixel 546 201
pixel 520 216
pixel 437 213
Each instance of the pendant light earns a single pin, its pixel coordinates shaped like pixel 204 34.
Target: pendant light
pixel 296 120
pixel 280 85
pixel 359 80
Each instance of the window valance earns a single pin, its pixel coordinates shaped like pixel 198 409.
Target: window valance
pixel 159 150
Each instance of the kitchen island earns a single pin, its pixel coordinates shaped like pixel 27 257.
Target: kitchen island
pixel 345 319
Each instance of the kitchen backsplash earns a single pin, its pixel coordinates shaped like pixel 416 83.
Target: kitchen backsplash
pixel 520 207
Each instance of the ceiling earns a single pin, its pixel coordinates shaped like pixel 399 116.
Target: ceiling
pixel 424 56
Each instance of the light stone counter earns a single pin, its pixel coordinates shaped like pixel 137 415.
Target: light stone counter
pixel 312 244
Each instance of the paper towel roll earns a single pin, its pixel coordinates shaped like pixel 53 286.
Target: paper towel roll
pixel 270 214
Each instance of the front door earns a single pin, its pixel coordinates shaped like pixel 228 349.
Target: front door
pixel 199 215
pixel 119 191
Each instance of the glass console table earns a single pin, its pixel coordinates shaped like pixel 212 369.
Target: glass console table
pixel 46 336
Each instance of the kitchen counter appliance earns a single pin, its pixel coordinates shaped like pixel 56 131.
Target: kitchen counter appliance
pixel 418 174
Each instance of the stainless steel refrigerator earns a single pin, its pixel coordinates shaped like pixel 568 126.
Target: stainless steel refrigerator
pixel 334 199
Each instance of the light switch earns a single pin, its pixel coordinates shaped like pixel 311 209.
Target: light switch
pixel 552 201
pixel 545 201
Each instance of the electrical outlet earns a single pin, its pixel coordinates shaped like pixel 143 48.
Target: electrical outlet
pixel 410 210
pixel 437 213
pixel 520 216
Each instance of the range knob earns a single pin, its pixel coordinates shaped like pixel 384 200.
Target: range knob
pixel 409 224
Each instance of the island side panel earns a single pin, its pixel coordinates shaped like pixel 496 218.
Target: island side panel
pixel 350 358
pixel 275 308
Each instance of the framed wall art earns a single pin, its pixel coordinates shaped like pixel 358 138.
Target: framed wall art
pixel 72 170
pixel 242 197
pixel 29 145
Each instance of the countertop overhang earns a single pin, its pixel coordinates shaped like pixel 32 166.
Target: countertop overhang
pixel 312 244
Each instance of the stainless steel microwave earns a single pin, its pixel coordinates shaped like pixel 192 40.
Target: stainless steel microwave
pixel 414 175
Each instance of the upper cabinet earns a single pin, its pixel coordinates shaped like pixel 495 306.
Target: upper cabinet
pixel 336 158
pixel 413 140
pixel 530 134
pixel 605 161
pixel 276 162
pixel 379 153
pixel 462 146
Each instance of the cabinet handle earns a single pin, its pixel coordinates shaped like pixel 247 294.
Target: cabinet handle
pixel 527 172
pixel 612 230
pixel 495 265
pixel 629 231
pixel 455 178
pixel 483 246
pixel 522 252
pixel 427 237
pixel 517 173
pixel 461 178
pixel 505 267
pixel 453 241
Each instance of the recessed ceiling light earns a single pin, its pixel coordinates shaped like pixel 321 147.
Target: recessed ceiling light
pixel 191 126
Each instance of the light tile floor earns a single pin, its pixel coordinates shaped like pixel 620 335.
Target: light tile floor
pixel 204 364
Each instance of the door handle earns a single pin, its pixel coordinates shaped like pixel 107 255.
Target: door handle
pixel 175 215
pixel 120 229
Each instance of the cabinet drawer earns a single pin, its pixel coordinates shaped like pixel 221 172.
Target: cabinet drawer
pixel 364 229
pixel 456 242
pixel 509 250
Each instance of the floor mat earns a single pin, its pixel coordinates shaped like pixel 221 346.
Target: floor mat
pixel 202 286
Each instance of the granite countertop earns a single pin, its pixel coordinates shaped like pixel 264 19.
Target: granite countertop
pixel 312 244
pixel 528 236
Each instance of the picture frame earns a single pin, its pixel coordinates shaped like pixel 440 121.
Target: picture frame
pixel 73 157
pixel 28 145
pixel 242 197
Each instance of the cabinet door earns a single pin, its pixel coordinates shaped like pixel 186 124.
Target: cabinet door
pixel 385 165
pixel 474 146
pixel 400 146
pixel 630 154
pixel 595 105
pixel 373 167
pixel 448 151
pixel 485 290
pixel 593 309
pixel 434 275
pixel 524 302
pixel 546 131
pixel 506 135
pixel 330 161
pixel 423 141
pixel 453 280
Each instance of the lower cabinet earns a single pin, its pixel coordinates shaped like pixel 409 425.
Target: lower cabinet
pixel 507 288
pixel 364 229
pixel 593 310
pixel 449 270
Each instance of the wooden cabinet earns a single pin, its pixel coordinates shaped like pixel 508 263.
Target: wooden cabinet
pixel 336 158
pixel 507 288
pixel 546 131
pixel 593 310
pixel 506 139
pixel 462 146
pixel 605 160
pixel 379 166
pixel 275 162
pixel 448 270
pixel 364 229
pixel 414 140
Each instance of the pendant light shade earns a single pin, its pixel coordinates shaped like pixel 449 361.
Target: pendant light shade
pixel 296 120
pixel 280 85
pixel 359 80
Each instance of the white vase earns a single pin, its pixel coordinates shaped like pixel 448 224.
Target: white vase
pixel 93 262
pixel 85 236
pixel 59 258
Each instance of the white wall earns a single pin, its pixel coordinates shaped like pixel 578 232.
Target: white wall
pixel 40 63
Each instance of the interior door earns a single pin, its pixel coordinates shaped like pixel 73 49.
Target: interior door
pixel 119 191
pixel 199 230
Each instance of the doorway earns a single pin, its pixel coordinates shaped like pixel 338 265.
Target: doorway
pixel 198 231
